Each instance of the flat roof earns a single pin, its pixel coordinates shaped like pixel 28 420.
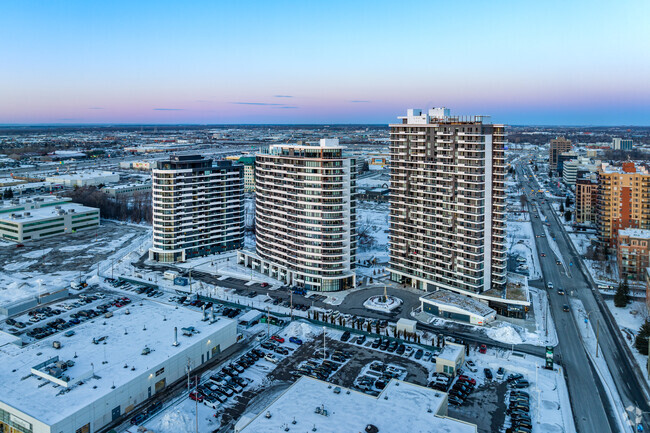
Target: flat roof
pixel 401 407
pixel 91 174
pixel 148 325
pixel 451 352
pixel 5 204
pixel 452 299
pixel 46 212
pixel 635 233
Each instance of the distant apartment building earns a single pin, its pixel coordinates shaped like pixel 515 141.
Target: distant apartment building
pixel 305 216
pixel 46 221
pixel 248 161
pixel 586 200
pixel 558 146
pixel 622 143
pixel 623 200
pixel 633 253
pixel 198 208
pixel 577 168
pixel 447 203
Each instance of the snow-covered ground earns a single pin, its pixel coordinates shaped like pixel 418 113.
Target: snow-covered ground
pixel 629 319
pixel 521 241
pixel 589 341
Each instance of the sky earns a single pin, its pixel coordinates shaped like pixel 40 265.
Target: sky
pixel 219 62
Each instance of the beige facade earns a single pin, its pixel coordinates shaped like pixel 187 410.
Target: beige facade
pixel 558 146
pixel 633 253
pixel 586 201
pixel 623 200
pixel 447 202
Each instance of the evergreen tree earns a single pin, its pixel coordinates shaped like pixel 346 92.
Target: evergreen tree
pixel 641 340
pixel 622 296
pixel 567 216
pixel 561 207
pixel 8 194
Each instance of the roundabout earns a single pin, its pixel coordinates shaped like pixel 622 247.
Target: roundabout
pixel 384 303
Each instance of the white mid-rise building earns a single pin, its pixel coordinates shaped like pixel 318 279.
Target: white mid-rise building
pixel 447 202
pixel 305 216
pixel 84 178
pixel 198 208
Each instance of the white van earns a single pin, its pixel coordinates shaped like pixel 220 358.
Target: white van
pixel 170 275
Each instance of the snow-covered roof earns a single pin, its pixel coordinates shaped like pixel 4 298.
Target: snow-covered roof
pixel 46 212
pixel 635 233
pixel 401 407
pixel 451 352
pixel 471 305
pixel 148 325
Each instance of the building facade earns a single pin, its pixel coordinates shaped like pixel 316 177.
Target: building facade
pixel 557 146
pixel 623 200
pixel 632 253
pixel 447 202
pixel 42 222
pixel 586 201
pixel 198 208
pixel 622 143
pixel 305 216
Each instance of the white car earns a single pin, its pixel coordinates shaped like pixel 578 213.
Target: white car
pixel 408 351
pixel 271 358
pixel 471 366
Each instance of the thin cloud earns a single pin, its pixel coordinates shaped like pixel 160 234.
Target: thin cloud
pixel 255 103
pixel 96 108
pixel 359 101
pixel 287 106
pixel 282 96
pixel 168 109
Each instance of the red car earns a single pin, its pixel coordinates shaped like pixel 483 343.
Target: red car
pixel 483 348
pixel 463 378
pixel 264 284
pixel 277 338
pixel 196 396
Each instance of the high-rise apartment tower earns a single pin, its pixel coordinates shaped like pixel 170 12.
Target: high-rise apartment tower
pixel 198 208
pixel 305 216
pixel 447 202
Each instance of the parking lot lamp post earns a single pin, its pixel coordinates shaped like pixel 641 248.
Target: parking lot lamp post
pixel 324 344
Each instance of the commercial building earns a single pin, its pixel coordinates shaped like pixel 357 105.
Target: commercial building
pixel 378 162
pixel 586 200
pixel 127 190
pixel 622 143
pixel 198 208
pixel 447 203
pixel 305 216
pixel 85 178
pixel 576 168
pixel 47 221
pixel 137 165
pixel 562 158
pixel 457 307
pixel 319 406
pixel 623 200
pixel 557 146
pixel 106 369
pixel 451 359
pixel 633 253
pixel 26 204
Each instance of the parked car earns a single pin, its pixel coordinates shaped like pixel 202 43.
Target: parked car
pixel 419 353
pixel 295 340
pixel 488 373
pixel 500 373
pixel 277 338
pixel 271 358
pixel 483 348
pixel 196 396
pixel 471 366
pixel 345 336
pixel 138 419
pixel 361 339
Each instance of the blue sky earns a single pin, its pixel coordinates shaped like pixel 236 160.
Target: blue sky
pixel 552 62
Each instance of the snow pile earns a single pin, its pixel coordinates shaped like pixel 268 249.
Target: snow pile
pixel 175 421
pixel 505 333
pixel 302 330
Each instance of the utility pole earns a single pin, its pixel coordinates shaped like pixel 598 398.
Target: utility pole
pixel 291 298
pixel 268 322
pixel 597 332
pixel 324 355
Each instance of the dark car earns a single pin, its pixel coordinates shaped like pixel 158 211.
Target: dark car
pixel 376 343
pixel 361 339
pixel 400 349
pixel 345 336
pixel 418 354
pixel 566 308
pixel 138 419
pixel 514 377
pixel 488 373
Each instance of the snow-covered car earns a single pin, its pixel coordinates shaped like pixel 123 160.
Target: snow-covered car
pixel 471 366
pixel 271 358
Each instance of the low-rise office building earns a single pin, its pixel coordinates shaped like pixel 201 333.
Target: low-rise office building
pixel 106 369
pixel 85 178
pixel 47 221
pixel 127 190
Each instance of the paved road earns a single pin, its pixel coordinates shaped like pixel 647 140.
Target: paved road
pixel 591 406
